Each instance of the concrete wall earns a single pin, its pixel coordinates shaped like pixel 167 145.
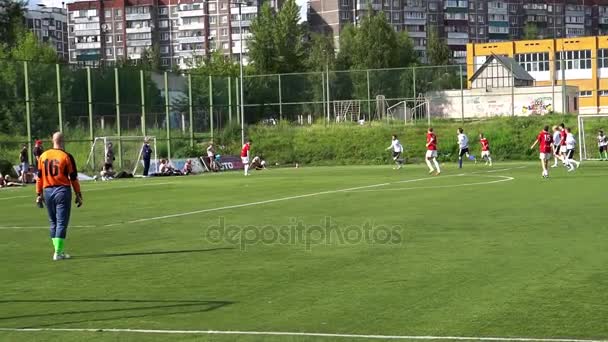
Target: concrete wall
pixel 479 103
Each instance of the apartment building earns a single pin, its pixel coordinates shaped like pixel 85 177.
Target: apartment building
pixel 184 31
pixel 464 21
pixel 580 61
pixel 50 25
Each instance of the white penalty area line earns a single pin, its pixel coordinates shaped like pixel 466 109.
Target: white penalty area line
pixel 300 334
pixel 502 179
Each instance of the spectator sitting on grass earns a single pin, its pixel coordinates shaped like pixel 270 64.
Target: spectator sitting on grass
pixel 5 182
pixel 107 172
pixel 28 176
pixel 187 167
pixel 258 163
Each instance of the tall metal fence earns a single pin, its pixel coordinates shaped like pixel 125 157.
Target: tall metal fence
pixel 182 108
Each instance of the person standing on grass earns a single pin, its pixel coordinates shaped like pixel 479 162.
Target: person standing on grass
pixel 463 145
pixel 563 149
pixel 545 140
pixel 485 149
pixel 557 138
pixel 57 174
pixel 397 151
pixel 24 162
pixel 571 145
pixel 37 151
pixel 146 152
pixel 602 143
pixel 245 153
pixel 431 152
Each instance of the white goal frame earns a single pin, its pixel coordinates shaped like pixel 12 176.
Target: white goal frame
pixel 582 145
pixel 113 139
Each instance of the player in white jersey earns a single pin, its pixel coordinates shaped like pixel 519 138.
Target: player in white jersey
pixel 557 138
pixel 571 164
pixel 463 145
pixel 397 151
pixel 602 144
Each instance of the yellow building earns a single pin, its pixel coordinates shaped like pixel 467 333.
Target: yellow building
pixel 585 60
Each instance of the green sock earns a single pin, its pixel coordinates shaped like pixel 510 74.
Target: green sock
pixel 54 243
pixel 60 242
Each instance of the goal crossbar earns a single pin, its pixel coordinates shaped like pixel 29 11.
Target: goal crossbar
pixel 121 139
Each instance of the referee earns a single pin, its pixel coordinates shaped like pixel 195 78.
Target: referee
pixel 56 175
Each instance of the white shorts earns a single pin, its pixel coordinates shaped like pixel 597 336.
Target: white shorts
pixel 210 154
pixel 485 154
pixel 563 149
pixel 245 160
pixel 546 156
pixel 431 153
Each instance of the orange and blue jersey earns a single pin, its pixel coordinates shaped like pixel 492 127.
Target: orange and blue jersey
pixel 57 168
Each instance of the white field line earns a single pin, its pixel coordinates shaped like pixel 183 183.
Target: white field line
pixel 41 227
pixel 85 191
pixel 301 334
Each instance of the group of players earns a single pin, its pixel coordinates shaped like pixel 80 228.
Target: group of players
pixel 560 146
pixel 431 154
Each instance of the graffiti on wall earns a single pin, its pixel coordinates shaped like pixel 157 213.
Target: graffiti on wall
pixel 538 106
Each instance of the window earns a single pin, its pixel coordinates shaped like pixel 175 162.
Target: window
pixel 119 25
pixel 119 38
pixel 585 93
pixel 163 23
pixel 433 6
pixel 212 8
pixel 165 36
pixel 117 13
pixel 224 31
pixel 602 58
pixel 534 61
pixel 120 51
pixel 163 10
pixel 574 60
pixel 225 46
pixel 164 49
pixel 223 6
pixel 108 39
pixel 344 15
pixel 224 19
pixel 603 92
pixel 212 33
pixel 109 53
pixel 212 20
pixel 108 13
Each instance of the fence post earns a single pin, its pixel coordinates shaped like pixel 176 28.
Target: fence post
pixel 211 106
pixel 328 93
pixel 280 100
pixel 238 102
pixel 369 104
pixel 414 82
pixel 59 104
pixel 190 114
pixel 461 93
pixel 90 105
pixel 323 102
pixel 118 129
pixel 28 118
pixel 229 99
pixel 143 102
pixel 512 91
pixel 167 116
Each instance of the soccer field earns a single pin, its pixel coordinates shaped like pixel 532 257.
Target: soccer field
pixel 474 253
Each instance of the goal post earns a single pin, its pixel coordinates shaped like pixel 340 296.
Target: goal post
pixel 588 127
pixel 131 147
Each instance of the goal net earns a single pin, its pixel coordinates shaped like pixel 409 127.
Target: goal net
pixel 588 129
pixel 127 153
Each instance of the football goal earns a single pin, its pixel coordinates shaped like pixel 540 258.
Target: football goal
pixel 127 152
pixel 589 141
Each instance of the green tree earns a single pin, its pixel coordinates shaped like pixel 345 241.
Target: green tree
pixel 530 31
pixel 348 47
pixel 150 58
pixel 438 51
pixel 289 38
pixel 262 44
pixel 377 45
pixel 321 53
pixel 12 17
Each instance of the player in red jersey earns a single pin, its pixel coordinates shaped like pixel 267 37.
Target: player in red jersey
pixel 545 141
pixel 431 152
pixel 485 149
pixel 245 155
pixel 563 149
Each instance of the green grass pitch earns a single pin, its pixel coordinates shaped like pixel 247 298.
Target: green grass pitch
pixel 339 250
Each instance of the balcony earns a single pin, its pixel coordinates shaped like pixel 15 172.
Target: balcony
pixel 186 53
pixel 191 26
pixel 86 20
pixel 81 33
pixel 237 36
pixel 603 21
pixel 458 35
pixel 244 23
pixel 139 42
pixel 139 29
pixel 414 21
pixel 457 41
pixel 189 40
pixel 192 13
pixel 138 16
pixel 416 34
pixel 88 46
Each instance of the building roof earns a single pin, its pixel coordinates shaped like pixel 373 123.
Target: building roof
pixel 519 73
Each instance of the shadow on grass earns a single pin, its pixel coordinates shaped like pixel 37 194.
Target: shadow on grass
pixel 113 255
pixel 126 309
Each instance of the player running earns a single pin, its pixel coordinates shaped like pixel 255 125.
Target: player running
pixel 397 151
pixel 544 139
pixel 602 143
pixel 431 152
pixel 557 137
pixel 56 174
pixel 245 151
pixel 563 149
pixel 485 149
pixel 463 145
pixel 571 164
